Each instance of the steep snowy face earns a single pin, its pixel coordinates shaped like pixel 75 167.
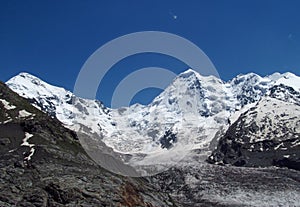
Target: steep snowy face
pixel 74 112
pixel 184 108
pixel 51 99
pixel 249 88
pixel 191 92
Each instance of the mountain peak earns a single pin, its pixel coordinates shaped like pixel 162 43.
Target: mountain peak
pixel 289 74
pixel 191 74
pixel 31 82
pixel 188 73
pixel 247 76
pixel 25 77
pixel 26 74
pixel 190 70
pixel 288 79
pixel 275 76
pixel 35 89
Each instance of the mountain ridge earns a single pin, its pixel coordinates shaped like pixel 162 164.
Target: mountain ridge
pixel 193 107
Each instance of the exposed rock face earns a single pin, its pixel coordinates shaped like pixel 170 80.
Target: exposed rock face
pixel 267 134
pixel 168 139
pixel 43 164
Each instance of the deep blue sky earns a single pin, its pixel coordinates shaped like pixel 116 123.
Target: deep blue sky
pixel 52 39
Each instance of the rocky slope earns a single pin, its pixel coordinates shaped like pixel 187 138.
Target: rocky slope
pixel 265 135
pixel 43 164
pixel 200 184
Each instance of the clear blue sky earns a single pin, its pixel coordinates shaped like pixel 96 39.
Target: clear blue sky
pixel 52 39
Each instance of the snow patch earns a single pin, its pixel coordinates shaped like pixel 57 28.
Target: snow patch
pixel 7 121
pixel 7 105
pixel 23 114
pixel 27 144
pixel 10 151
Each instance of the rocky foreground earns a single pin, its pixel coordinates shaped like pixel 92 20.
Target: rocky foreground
pixel 58 172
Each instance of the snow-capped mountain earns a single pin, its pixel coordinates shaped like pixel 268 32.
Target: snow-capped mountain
pixel 49 167
pixel 267 134
pixel 188 115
